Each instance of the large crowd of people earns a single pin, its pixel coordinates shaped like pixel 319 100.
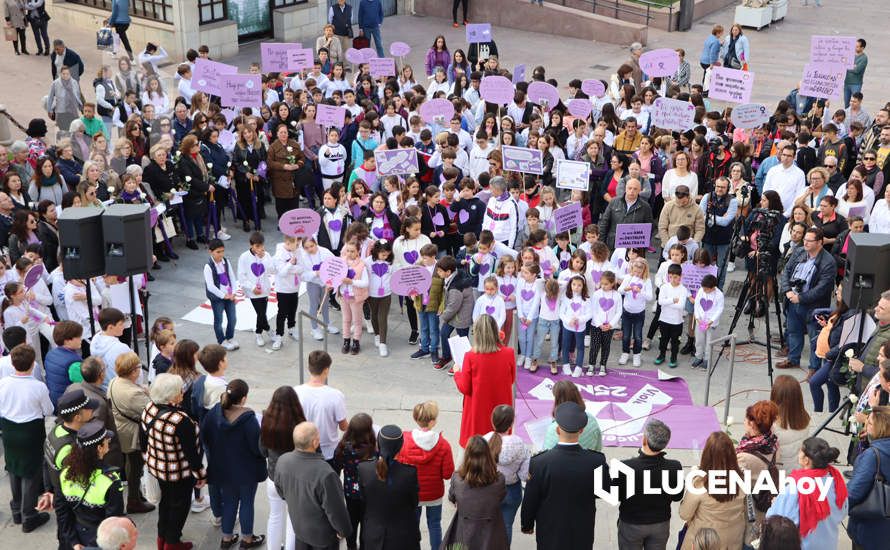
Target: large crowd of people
pixel 780 201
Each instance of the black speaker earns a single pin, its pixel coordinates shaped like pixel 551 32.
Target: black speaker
pixel 127 239
pixel 80 232
pixel 867 273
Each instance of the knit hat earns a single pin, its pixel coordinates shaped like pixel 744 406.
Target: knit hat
pixel 389 441
pixel 36 128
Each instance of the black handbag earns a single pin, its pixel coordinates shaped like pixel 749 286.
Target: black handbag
pixel 877 503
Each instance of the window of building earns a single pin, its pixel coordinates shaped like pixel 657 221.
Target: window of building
pixel 285 3
pixel 212 11
pixel 155 10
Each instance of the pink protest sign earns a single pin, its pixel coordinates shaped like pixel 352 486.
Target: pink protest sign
pixel 333 271
pixel 354 56
pixel 568 217
pixel 299 222
pixel 206 75
pixel 496 89
pixel 382 66
pixel 396 162
pixel 673 114
pixel 840 50
pixel 478 32
pixel 33 275
pixel 399 49
pixel 226 138
pixel 411 281
pixel 544 94
pixel 274 55
pixel 731 85
pixel 750 115
pixel 437 111
pixel 633 235
pixel 519 73
pixel 367 54
pixel 661 62
pixel 823 80
pixel 523 159
pixel 593 87
pixel 580 107
pixel 241 90
pixel 299 59
pixel 230 115
pixel 693 274
pixel 330 115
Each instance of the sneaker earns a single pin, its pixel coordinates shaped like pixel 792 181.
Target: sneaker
pixel 520 360
pixel 576 373
pixel 441 363
pixel 623 359
pixel 377 340
pixel 333 330
pixel 317 334
pixel 590 371
pixel 294 333
pixel 660 359
pixel 730 267
pixel 697 362
pixel 227 344
pixel 672 363
pixel 638 360
pixel 383 350
pixel 451 371
pixel 276 342
pixel 602 371
pixel 260 341
pixel 553 369
pixel 215 521
pixel 222 235
pixel 646 343
pixel 434 357
pixel 533 367
pixel 199 505
pixel 419 354
pixel 369 327
pixel 567 369
pixel 413 339
pixel 235 343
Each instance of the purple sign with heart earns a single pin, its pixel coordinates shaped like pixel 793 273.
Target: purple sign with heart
pixel 496 89
pixel 833 49
pixel 206 75
pixel 299 222
pixel 333 271
pixel 396 162
pixel 593 87
pixel 411 281
pixel 330 115
pixel 633 235
pixel 580 108
pixel 33 276
pixel 660 62
pixel 437 111
pixel 274 55
pixel 523 159
pixel 544 94
pixel 399 49
pixel 478 32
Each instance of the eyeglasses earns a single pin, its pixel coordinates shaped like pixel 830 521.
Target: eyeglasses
pixel 681 195
pixel 870 158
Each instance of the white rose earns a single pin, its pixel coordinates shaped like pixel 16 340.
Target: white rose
pixel 142 195
pixel 244 163
pixel 228 164
pixel 290 149
pixel 854 398
pixel 730 420
pixel 849 353
pixel 852 419
pixel 209 165
pixel 293 123
pixel 188 179
pixel 110 189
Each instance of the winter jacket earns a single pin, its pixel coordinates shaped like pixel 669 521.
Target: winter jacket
pixel 233 452
pixel 109 348
pixel 436 58
pixel 56 365
pixel 617 213
pixel 458 301
pixel 673 216
pixel 868 533
pixel 431 454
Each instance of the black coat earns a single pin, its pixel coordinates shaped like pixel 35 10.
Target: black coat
pixel 71 60
pixel 159 178
pixel 49 239
pixel 559 502
pixel 389 521
pixel 643 509
pixel 196 201
pixel 617 213
pixel 367 216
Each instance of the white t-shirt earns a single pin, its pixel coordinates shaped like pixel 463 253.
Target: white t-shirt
pixel 326 407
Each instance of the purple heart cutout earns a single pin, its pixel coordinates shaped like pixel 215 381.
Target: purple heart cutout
pixel 706 304
pixel 489 310
pixel 380 268
pixel 257 268
pixel 527 295
pixel 224 279
pixel 411 256
pixel 596 275
pixel 606 303
pixel 335 225
pixel 483 269
pixel 438 219
pixel 378 232
pixel 464 216
pixel 316 267
pixel 576 306
pixel 507 290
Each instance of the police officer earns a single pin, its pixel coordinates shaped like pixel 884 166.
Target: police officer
pixel 91 490
pixel 74 410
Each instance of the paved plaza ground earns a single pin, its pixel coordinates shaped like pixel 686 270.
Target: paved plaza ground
pixel 388 388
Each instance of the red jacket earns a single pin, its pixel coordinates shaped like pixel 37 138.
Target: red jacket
pixel 430 453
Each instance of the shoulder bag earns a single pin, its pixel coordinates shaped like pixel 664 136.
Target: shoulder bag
pixel 877 503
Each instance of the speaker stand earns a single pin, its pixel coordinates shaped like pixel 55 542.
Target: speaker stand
pixel 88 284
pixel 133 316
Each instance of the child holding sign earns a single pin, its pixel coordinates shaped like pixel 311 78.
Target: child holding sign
pixel 219 285
pixel 254 269
pixel 708 309
pixel 311 260
pixel 353 293
pixel 427 306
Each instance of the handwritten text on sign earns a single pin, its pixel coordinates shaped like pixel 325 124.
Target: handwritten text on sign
pixel 241 90
pixel 673 114
pixel 750 115
pixel 274 55
pixel 382 66
pixel 693 274
pixel 330 115
pixel 478 32
pixel 299 222
pixel 333 271
pixel 411 281
pixel 833 49
pixel 822 80
pixel 568 217
pixel 206 76
pixel 731 84
pixel 661 62
pixel 633 235
pixel 300 59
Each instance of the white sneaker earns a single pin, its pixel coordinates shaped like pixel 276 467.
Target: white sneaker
pixel 235 343
pixel 215 521
pixel 590 370
pixel 294 333
pixel 384 351
pixel 199 506
pixel 260 341
pixel 333 330
pixel 730 267
pixel 222 235
pixel 520 359
pixel 228 345
pixel 623 359
pixel 276 342
pixel 602 371
pixel 318 334
pixel 369 327
pixel 527 365
pixel 576 373
pixel 377 340
pixel 567 369
pixel 637 360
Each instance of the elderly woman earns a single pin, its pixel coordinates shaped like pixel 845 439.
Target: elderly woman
pixel 173 455
pixel 817 188
pixel 80 141
pixel 122 156
pixel 158 173
pixel 284 159
pixel 70 167
pixel 64 103
pixel 191 172
pixel 331 43
pixel 20 162
pixel 128 399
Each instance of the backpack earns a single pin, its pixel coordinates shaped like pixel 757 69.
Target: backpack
pixel 196 399
pixel 763 499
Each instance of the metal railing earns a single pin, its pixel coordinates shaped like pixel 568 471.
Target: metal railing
pixel 712 365
pixel 625 11
pixel 301 358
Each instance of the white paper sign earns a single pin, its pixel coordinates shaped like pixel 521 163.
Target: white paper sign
pixel 460 345
pixel 572 174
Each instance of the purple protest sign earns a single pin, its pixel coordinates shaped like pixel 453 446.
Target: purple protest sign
pixel 437 111
pixel 299 222
pixel 519 73
pixel 673 114
pixel 33 275
pixel 572 174
pixel 206 75
pixel 354 56
pixel 274 55
pixel 693 274
pixel 330 115
pixel 860 211
pixel 396 162
pixel 593 87
pixel 241 90
pixel 840 50
pixel 478 32
pixel 544 94
pixel 822 80
pixel 399 49
pixel 367 54
pixel 731 85
pixel 580 108
pixel 333 271
pixel 622 401
pixel 496 89
pixel 299 59
pixel 633 235
pixel 226 138
pixel 230 115
pixel 382 67
pixel 749 115
pixel 411 281
pixel 568 217
pixel 661 62
pixel 523 159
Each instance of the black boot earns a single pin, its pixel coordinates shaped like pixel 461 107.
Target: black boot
pixel 333 302
pixel 347 345
pixel 355 347
pixel 689 348
pixel 246 227
pixel 15 46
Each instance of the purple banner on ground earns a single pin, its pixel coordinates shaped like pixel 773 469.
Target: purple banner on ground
pixel 731 85
pixel 206 75
pixel 396 162
pixel 523 159
pixel 633 235
pixel 693 274
pixel 241 90
pixel 833 49
pixel 823 80
pixel 568 217
pixel 478 32
pixel 330 115
pixel 274 55
pixel 622 402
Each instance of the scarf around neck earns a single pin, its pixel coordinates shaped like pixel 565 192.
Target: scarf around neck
pixel 764 444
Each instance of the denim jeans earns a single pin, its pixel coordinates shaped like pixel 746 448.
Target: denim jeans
pixel 194 227
pixel 816 382
pixel 718 251
pixel 219 306
pixel 527 338
pixel 433 524
pixel 445 334
pixel 800 322
pixel 544 328
pixel 572 340
pixel 238 500
pixel 632 325
pixel 510 506
pixel 214 493
pixel 849 89
pixel 374 32
pixel 429 331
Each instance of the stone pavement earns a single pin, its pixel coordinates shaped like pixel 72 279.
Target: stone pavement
pixel 388 389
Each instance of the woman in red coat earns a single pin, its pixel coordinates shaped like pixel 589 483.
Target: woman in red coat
pixel 486 379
